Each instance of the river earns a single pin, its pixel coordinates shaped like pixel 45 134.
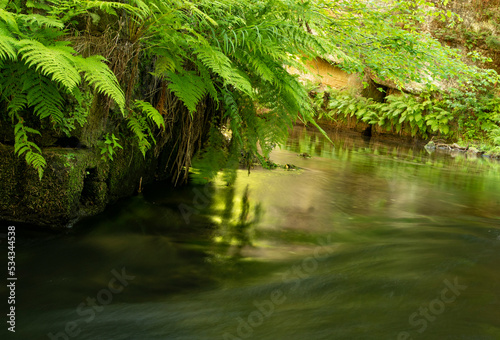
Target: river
pixel 366 240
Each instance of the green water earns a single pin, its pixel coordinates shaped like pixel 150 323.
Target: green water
pixel 367 241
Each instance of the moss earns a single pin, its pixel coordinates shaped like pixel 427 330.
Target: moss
pixel 126 170
pixel 76 183
pixel 56 199
pixel 96 120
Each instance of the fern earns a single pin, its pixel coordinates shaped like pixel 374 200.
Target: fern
pixel 207 80
pixel 151 113
pixel 219 63
pixel 140 128
pixel 22 145
pixel 40 20
pixel 98 74
pixel 66 10
pixel 9 19
pixel 38 70
pixel 189 87
pixel 138 121
pixel 53 61
pixel 11 87
pixel 43 97
pixel 7 45
pixel 231 112
pixel 110 6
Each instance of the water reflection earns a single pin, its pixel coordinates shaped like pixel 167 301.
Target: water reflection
pixel 236 228
pixel 393 221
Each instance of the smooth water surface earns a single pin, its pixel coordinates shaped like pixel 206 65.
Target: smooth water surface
pixel 366 241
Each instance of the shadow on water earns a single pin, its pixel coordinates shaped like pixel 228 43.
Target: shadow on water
pixel 359 243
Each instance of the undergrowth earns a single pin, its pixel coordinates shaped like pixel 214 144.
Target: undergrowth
pixel 469 118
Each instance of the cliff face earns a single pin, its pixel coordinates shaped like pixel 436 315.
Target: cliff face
pixel 479 30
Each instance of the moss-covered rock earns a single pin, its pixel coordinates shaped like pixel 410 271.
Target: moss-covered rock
pixel 56 199
pixel 76 183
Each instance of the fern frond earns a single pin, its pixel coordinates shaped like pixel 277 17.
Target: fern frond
pixel 17 103
pixel 22 146
pixel 231 112
pixel 150 112
pixel 141 130
pixel 40 20
pixel 54 61
pixel 43 96
pixel 9 19
pixel 98 74
pixel 142 9
pixel 219 63
pixel 110 6
pixel 7 44
pixel 188 87
pixel 202 14
pixel 208 80
pixel 166 63
pixel 10 76
pixel 258 65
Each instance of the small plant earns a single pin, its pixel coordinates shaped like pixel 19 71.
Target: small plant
pixel 108 146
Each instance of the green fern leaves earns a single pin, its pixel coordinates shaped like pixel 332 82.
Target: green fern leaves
pixel 233 54
pixel 98 74
pixel 140 128
pixel 37 72
pixel 141 120
pixel 416 116
pixel 151 113
pixel 188 86
pixel 7 45
pixel 43 97
pixel 52 61
pixel 32 152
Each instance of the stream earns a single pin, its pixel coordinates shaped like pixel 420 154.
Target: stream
pixel 366 240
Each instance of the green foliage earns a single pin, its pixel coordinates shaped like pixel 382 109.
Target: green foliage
pixel 188 87
pixel 386 38
pixel 463 115
pixel 142 118
pixel 139 126
pixel 54 61
pixel 108 146
pixel 97 74
pixel 39 71
pixel 418 116
pixel 493 42
pixel 478 115
pixel 236 54
pixel 31 151
pixel 239 53
pixel 151 113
